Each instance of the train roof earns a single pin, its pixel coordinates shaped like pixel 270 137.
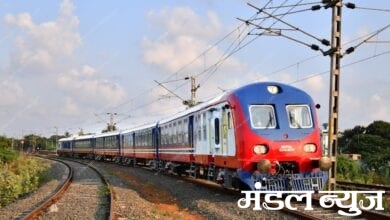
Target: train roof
pixel 84 137
pixel 267 91
pixel 245 93
pixel 113 133
pixel 139 127
pixel 195 108
pixel 66 139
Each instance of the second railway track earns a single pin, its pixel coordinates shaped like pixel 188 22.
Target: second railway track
pixel 86 194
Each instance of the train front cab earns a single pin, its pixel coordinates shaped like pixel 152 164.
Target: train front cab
pixel 278 140
pixel 65 146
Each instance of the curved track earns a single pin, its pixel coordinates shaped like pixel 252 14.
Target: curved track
pixel 81 177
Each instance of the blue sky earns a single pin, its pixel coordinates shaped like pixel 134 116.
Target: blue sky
pixel 66 64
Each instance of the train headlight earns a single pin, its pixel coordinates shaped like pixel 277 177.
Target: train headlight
pixel 310 148
pixel 273 89
pixel 260 149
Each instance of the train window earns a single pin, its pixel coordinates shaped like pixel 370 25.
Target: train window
pixel 179 132
pixel 262 116
pixel 162 134
pixel 199 126
pixel 216 126
pixel 204 125
pixel 170 134
pixel 229 120
pixel 185 130
pixel 299 116
pixel 150 140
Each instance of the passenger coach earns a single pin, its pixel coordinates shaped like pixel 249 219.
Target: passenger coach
pixel 262 132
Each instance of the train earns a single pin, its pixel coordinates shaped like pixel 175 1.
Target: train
pixel 264 132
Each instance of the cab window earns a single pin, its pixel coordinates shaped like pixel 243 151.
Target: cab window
pixel 262 116
pixel 299 116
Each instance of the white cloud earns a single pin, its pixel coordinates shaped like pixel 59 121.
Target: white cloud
pixel 70 107
pixel 12 93
pixel 315 84
pixel 184 36
pixel 183 20
pixel 45 44
pixel 88 88
pixel 45 63
pixel 363 109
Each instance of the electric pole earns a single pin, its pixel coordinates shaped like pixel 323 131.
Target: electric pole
pixel 55 127
pixel 335 56
pixel 194 87
pixel 111 124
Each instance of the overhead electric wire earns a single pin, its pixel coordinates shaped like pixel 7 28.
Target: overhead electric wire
pixel 286 13
pixel 353 6
pixel 183 67
pixel 293 5
pixel 342 66
pixel 351 49
pixel 213 68
pixel 192 61
pixel 237 48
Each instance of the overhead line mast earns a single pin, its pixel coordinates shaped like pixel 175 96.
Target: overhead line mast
pixel 335 57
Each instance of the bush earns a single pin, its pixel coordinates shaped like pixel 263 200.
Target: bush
pixel 6 156
pixel 347 169
pixel 20 177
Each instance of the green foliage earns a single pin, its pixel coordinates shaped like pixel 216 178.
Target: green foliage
pixel 348 169
pixel 19 177
pixel 4 142
pixel 7 156
pixel 373 143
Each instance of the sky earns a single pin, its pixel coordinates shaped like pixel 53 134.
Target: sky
pixel 66 65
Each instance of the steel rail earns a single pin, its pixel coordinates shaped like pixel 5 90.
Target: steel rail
pixel 55 197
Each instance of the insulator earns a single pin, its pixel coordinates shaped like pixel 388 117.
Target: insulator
pixel 315 7
pixel 325 42
pixel 350 5
pixel 350 50
pixel 314 47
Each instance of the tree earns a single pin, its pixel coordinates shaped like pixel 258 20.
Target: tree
pixel 372 142
pixel 380 128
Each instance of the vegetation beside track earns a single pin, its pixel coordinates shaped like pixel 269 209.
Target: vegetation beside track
pixel 19 175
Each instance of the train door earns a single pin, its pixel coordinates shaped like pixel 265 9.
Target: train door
pixel 228 140
pixel 215 131
pixel 191 131
pixel 222 132
pixel 201 139
pixel 156 140
pixel 133 143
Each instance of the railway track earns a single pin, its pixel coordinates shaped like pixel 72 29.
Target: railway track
pixel 319 212
pixel 83 185
pixel 361 186
pixel 300 213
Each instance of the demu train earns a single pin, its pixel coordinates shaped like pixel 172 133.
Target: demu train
pixel 263 132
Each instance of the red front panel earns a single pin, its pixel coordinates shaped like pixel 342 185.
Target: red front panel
pixel 282 150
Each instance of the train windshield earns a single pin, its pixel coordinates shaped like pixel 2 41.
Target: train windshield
pixel 299 116
pixel 262 116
